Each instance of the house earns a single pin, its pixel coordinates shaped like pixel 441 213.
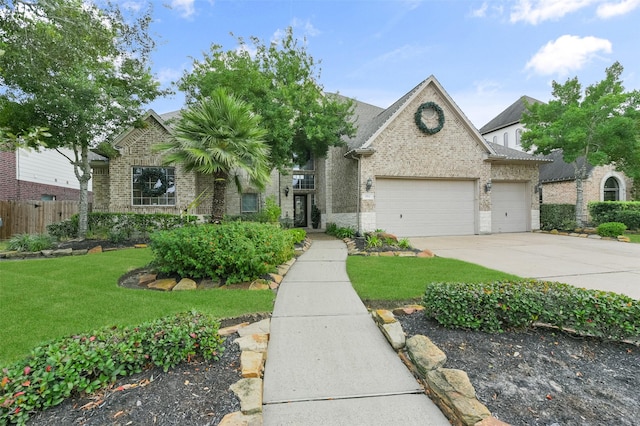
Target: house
pixel 557 178
pixel 417 168
pixel 37 175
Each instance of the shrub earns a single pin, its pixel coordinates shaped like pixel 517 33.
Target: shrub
pixel 503 305
pixel 88 362
pixel 27 242
pixel 557 216
pixel 231 251
pixel 373 241
pixel 611 229
pixel 340 232
pixel 298 235
pixel 627 212
pixel 120 225
pixel 272 210
pixel 404 243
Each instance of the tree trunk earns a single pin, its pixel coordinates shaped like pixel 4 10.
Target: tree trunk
pixel 580 177
pixel 83 173
pixel 217 200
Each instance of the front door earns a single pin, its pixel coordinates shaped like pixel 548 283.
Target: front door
pixel 300 210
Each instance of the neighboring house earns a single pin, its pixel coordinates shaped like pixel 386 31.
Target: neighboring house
pixel 37 175
pixel 417 168
pixel 557 183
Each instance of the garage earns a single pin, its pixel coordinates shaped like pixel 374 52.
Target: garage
pixel 420 208
pixel 509 207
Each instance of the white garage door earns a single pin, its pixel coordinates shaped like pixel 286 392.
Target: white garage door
pixel 509 207
pixel 421 208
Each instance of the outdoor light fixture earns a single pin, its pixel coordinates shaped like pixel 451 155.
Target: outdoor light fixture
pixel 487 187
pixel 286 191
pixel 369 184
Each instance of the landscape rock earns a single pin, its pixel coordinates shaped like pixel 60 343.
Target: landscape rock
pixel 454 390
pixel 249 392
pixel 239 419
pixel 276 278
pixel 425 253
pixel 259 285
pixel 387 236
pixel 95 250
pixel 383 316
pixel 185 284
pixel 253 342
pixel 228 331
pixel 147 279
pixel 63 252
pixel 394 334
pixel 491 421
pixel 260 327
pixel 425 354
pixel 251 364
pixel 165 284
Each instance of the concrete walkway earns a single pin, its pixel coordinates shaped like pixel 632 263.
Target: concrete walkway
pixel 327 362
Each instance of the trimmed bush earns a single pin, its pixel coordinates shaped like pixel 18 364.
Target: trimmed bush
pixel 298 235
pixel 500 306
pixel 557 216
pixel 627 212
pixel 611 229
pixel 120 226
pixel 231 251
pixel 88 362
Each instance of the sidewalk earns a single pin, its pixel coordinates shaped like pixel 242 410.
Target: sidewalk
pixel 327 362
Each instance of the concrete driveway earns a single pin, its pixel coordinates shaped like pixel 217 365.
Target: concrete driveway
pixel 583 262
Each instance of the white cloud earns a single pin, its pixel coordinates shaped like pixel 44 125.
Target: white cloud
pixel 610 9
pixel 567 54
pixel 307 27
pixel 481 12
pixel 186 8
pixel 134 6
pixel 536 11
pixel 168 75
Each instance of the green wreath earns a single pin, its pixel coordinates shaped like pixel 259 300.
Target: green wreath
pixel 423 127
pixel 149 178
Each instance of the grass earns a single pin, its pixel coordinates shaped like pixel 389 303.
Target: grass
pixel 405 278
pixel 635 238
pixel 45 299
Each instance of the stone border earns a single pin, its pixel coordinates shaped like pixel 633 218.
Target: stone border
pixel 450 389
pixel 585 233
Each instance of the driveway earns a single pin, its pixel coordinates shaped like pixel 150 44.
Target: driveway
pixel 583 262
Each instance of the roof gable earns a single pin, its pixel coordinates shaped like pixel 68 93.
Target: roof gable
pixel 150 117
pixel 368 131
pixel 509 116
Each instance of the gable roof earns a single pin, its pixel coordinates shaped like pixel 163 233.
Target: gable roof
pixel 367 131
pixel 509 116
pixel 149 114
pixel 559 170
pixel 504 154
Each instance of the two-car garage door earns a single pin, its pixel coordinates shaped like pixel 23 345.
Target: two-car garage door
pixel 413 207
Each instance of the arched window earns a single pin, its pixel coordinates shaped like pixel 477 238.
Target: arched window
pixel 495 139
pixel 506 139
pixel 518 135
pixel 611 189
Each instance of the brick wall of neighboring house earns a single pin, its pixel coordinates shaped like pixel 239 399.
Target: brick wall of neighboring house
pixel 8 182
pixel 403 150
pixel 101 189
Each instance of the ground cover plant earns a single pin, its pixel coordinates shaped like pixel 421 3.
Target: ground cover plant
pixel 85 363
pixel 46 299
pixel 404 278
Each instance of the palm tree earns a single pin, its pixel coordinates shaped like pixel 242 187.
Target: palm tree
pixel 216 136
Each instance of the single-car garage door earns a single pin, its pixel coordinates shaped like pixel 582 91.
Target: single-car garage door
pixel 509 207
pixel 421 208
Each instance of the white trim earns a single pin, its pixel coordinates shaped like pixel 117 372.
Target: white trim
pixel 622 186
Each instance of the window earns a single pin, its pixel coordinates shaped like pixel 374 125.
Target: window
pixel 506 139
pixel 611 190
pixel 518 136
pixel 495 139
pixel 304 181
pixel 154 186
pixel 249 203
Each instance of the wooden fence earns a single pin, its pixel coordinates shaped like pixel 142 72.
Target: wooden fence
pixel 32 217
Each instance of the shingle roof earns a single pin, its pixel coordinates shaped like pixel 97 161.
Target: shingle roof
pixel 511 154
pixel 559 170
pixel 509 116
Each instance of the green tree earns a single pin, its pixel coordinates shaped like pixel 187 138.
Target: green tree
pixel 75 69
pixel 217 136
pixel 281 84
pixel 601 125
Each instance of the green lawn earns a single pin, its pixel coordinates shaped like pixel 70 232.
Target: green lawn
pixel 635 238
pixel 405 278
pixel 45 299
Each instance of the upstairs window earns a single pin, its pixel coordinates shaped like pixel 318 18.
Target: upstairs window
pixel 518 136
pixel 154 186
pixel 505 138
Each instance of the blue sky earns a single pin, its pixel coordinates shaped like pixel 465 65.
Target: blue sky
pixel 486 54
